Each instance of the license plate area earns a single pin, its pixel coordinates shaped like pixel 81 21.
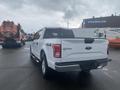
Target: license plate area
pixel 89 65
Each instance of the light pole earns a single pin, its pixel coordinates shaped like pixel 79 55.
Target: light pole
pixel 68 23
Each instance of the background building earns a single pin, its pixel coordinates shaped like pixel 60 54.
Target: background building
pixel 102 22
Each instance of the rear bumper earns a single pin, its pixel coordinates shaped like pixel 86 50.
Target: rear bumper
pixel 81 65
pixel 114 45
pixel 11 42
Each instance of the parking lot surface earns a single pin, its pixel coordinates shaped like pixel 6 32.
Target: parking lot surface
pixel 17 72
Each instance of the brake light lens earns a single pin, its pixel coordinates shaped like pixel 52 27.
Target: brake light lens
pixel 57 50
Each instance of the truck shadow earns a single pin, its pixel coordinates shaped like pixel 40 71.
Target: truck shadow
pixel 70 80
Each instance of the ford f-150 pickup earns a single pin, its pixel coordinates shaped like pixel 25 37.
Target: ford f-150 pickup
pixel 66 50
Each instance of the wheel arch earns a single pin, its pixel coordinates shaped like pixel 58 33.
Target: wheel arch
pixel 43 51
pixel 46 52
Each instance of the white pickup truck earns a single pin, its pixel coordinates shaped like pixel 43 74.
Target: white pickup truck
pixel 61 50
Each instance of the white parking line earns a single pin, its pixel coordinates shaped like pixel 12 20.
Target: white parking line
pixel 110 73
pixel 26 48
pixel 107 74
pixel 105 69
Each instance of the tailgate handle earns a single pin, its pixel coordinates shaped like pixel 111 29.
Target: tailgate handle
pixel 89 40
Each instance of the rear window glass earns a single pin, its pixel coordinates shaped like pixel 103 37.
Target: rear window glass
pixel 90 33
pixel 58 33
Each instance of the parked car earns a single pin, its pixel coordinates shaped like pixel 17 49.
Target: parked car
pixel 11 35
pixel 114 42
pixel 113 36
pixel 60 50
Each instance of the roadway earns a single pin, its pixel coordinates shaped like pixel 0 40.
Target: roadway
pixel 17 72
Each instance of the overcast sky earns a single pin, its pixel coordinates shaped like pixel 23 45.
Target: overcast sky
pixel 35 14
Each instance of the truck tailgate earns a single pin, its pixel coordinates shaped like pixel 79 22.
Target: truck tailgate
pixel 79 50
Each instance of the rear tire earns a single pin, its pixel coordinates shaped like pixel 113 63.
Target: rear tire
pixel 46 71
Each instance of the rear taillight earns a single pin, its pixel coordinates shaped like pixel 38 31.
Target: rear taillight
pixel 57 50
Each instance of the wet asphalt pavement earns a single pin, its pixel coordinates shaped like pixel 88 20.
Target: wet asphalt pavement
pixel 17 72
